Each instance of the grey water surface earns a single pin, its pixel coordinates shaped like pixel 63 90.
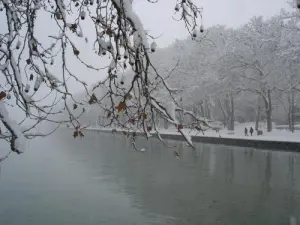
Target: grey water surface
pixel 100 179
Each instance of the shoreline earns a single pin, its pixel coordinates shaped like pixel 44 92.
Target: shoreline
pixel 285 146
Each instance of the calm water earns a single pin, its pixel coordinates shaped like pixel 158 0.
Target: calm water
pixel 102 180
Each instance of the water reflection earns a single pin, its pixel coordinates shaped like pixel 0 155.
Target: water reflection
pixel 212 184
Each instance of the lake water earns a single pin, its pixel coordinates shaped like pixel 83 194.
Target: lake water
pixel 102 180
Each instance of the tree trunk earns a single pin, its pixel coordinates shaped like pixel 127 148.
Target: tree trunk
pixel 207 110
pixel 293 112
pixel 269 111
pixel 289 112
pixel 201 109
pixel 231 114
pixel 257 113
pixel 224 113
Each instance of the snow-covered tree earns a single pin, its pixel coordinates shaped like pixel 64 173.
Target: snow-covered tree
pixel 38 68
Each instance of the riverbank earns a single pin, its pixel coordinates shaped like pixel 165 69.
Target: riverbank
pixel 280 140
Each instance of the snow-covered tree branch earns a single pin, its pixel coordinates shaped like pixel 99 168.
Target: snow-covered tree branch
pixel 36 71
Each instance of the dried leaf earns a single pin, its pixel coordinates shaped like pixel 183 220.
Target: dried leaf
pixel 75 134
pixel 179 127
pixel 121 106
pixel 149 128
pixel 145 116
pixel 109 32
pixel 93 99
pixel 73 27
pixel 128 96
pixel 74 106
pixel 132 121
pixel 80 133
pixel 176 154
pixel 58 16
pixel 2 95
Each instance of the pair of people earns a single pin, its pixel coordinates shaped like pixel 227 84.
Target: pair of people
pixel 251 131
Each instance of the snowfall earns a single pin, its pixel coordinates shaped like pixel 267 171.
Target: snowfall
pixel 283 135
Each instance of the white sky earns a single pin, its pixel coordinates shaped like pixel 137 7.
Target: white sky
pixel 158 17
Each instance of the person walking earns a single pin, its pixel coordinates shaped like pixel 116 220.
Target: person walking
pixel 251 131
pixel 246 131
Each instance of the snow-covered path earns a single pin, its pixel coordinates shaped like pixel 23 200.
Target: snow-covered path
pixel 275 135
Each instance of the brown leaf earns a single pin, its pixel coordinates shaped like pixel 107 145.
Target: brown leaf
pixel 75 134
pixel 132 121
pixel 80 133
pixel 128 96
pixel 2 95
pixel 58 16
pixel 179 126
pixel 149 128
pixel 109 32
pixel 144 116
pixel 121 106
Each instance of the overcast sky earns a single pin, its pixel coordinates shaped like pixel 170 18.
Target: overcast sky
pixel 158 17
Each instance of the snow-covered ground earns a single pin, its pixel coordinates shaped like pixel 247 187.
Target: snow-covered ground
pixel 275 135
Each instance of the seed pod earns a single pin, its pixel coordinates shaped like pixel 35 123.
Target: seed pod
pixel 18 45
pixel 126 54
pixel 201 29
pixel 153 46
pixel 82 15
pixel 195 33
pixel 27 88
pixel 37 83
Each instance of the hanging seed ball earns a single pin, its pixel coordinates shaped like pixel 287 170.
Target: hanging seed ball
pixel 201 29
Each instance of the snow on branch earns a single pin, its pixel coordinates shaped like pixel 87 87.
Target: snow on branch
pixel 37 70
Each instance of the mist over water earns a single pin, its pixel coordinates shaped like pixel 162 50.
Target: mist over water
pixel 102 180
